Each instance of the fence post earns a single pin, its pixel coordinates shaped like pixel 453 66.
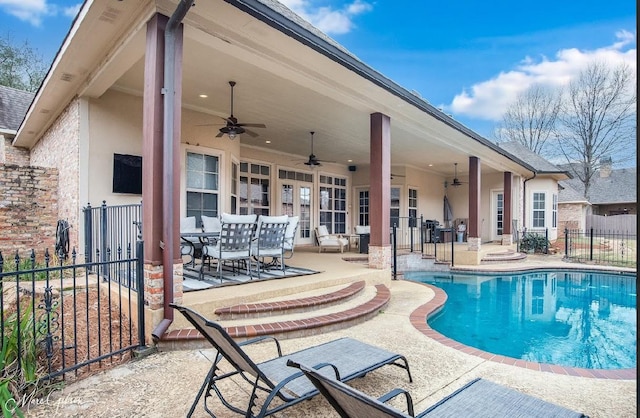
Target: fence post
pixel 140 289
pixel 395 252
pixel 566 243
pixel 421 234
pixel 88 233
pixel 452 244
pixel 591 244
pixel 103 230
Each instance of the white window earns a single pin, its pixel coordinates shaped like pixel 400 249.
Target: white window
pixel 363 207
pixel 413 207
pixel 538 210
pixel 394 209
pixel 255 188
pixel 234 187
pixel 333 204
pixel 203 175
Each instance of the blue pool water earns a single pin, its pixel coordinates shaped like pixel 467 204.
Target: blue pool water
pixel 575 319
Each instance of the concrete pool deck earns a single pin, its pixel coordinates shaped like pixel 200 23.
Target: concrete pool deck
pixel 165 383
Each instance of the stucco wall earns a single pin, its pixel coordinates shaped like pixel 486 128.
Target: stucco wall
pixel 549 187
pixel 28 210
pixel 59 148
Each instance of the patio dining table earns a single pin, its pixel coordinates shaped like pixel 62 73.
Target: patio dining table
pixel 204 238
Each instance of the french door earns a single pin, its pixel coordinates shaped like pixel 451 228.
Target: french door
pixel 296 200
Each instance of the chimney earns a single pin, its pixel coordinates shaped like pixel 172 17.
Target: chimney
pixel 605 167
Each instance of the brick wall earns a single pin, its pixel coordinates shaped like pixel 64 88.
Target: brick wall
pixel 12 155
pixel 59 148
pixel 570 216
pixel 28 210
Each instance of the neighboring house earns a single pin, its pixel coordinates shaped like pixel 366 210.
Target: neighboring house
pixel 13 106
pixel 541 192
pixel 117 97
pixel 611 192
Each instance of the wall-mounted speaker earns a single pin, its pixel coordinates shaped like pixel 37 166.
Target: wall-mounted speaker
pixel 352 168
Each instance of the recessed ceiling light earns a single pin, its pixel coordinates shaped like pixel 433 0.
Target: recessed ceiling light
pixel 267 142
pixel 430 165
pixel 349 161
pixel 204 96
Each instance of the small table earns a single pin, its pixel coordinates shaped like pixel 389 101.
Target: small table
pixel 355 237
pixel 204 238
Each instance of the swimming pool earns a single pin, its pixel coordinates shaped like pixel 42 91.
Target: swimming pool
pixel 567 318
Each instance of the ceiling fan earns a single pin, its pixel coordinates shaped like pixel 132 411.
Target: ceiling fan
pixel 232 127
pixel 313 161
pixel 456 182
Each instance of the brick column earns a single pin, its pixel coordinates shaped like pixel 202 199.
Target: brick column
pixel 379 191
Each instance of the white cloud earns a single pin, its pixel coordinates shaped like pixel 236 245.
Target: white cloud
pixel 489 99
pixel 327 19
pixel 34 11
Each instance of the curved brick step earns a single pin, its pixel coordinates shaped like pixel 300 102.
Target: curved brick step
pixel 190 338
pixel 501 257
pixel 257 310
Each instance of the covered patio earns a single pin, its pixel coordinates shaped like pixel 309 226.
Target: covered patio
pixel 151 79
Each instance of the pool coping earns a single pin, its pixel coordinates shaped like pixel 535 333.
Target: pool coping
pixel 421 314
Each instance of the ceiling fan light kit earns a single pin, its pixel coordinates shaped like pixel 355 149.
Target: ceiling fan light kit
pixel 232 127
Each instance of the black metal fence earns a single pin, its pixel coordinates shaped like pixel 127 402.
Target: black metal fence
pixel 108 229
pixel 601 247
pixel 60 321
pixel 419 235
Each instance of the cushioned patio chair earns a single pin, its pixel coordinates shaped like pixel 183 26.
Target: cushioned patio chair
pixel 234 243
pixel 327 240
pixel 479 399
pixel 273 379
pixel 268 241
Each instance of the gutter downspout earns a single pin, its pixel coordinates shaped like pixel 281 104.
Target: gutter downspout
pixel 167 163
pixel 524 199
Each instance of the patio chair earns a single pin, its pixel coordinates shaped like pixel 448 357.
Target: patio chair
pixel 188 245
pixel 268 241
pixel 234 243
pixel 272 378
pixel 327 240
pixel 289 239
pixel 479 398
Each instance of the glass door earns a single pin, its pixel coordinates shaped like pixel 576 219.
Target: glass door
pixel 295 200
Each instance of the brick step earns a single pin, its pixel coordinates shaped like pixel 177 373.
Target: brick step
pixel 503 257
pixel 283 329
pixel 289 306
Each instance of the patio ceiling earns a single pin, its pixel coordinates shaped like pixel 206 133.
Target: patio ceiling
pixel 286 85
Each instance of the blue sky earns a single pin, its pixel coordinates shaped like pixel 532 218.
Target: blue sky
pixel 469 58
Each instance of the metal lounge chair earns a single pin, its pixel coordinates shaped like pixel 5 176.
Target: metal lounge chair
pixel 273 379
pixel 234 243
pixel 479 399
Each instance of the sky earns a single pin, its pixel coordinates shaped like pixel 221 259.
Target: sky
pixel 468 58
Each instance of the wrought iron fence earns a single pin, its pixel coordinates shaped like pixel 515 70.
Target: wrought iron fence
pixel 601 247
pixel 108 229
pixel 424 236
pixel 60 321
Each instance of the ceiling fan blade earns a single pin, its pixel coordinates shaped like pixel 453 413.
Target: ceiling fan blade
pixel 252 125
pixel 250 133
pixel 219 134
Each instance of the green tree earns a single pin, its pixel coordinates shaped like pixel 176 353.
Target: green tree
pixel 21 66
